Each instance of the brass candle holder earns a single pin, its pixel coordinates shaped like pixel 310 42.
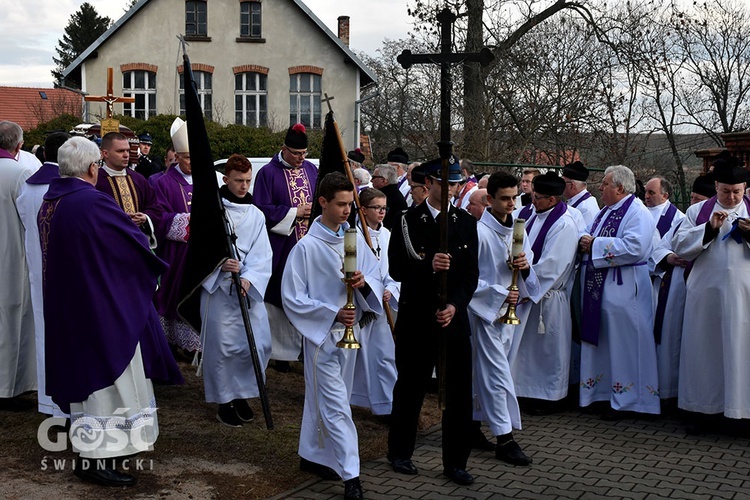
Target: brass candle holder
pixel 349 341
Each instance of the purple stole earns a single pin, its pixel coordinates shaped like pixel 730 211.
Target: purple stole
pixel 557 212
pixel 661 301
pixel 6 154
pixel 525 212
pixel 299 193
pixel 665 221
pixel 580 200
pixel 594 283
pixel 703 216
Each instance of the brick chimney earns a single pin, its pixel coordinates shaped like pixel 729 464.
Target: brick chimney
pixel 344 29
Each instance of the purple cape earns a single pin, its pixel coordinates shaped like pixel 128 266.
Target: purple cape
pixel 146 198
pixel 274 196
pixel 45 174
pixel 176 194
pixel 98 283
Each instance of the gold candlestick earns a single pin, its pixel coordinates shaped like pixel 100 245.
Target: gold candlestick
pixel 349 341
pixel 510 318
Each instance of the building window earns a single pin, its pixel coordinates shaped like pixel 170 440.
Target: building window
pixel 250 19
pixel 195 18
pixel 251 99
pixel 203 80
pixel 141 85
pixel 304 99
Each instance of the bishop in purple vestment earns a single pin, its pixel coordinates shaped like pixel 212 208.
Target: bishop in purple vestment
pixel 284 191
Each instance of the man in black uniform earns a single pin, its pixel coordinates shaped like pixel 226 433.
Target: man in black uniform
pixel 147 166
pixel 415 261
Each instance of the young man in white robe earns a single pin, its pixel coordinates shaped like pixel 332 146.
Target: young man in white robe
pixel 314 297
pixel 540 353
pixel 618 355
pixel 375 368
pixel 28 203
pixel 227 365
pixel 668 270
pixel 494 394
pixel 714 368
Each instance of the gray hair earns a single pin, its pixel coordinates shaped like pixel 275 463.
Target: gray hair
pixel 622 176
pixel 362 175
pixel 76 156
pixel 388 172
pixel 664 185
pixel 11 135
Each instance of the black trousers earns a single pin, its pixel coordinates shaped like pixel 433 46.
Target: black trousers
pixel 416 356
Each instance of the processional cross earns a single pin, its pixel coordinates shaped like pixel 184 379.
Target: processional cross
pixel 109 124
pixel 445 59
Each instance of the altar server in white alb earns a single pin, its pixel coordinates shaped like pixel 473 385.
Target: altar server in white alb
pixel 227 365
pixel 375 369
pixel 714 367
pixel 314 296
pixel 494 394
pixel 28 203
pixel 618 355
pixel 668 270
pixel 540 354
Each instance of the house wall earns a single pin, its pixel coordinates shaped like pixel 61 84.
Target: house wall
pixel 291 39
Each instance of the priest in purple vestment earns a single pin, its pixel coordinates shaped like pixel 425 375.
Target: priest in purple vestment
pixel 99 279
pixel 284 191
pixel 175 188
pixel 130 190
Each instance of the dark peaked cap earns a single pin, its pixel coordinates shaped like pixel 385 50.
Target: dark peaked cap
pixel 704 185
pixel 296 137
pixel 575 171
pixel 398 155
pixel 549 184
pixel 356 155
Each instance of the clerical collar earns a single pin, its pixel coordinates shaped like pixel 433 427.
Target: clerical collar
pixel 284 162
pixel 573 199
pixel 229 196
pixel 187 177
pixel 115 173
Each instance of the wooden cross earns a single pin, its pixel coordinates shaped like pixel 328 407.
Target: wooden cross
pixel 328 100
pixel 445 58
pixel 110 98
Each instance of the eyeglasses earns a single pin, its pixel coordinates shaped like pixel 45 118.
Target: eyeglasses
pixel 378 177
pixel 379 209
pixel 298 154
pixel 541 196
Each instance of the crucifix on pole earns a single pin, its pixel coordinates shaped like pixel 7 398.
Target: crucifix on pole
pixel 109 124
pixel 445 59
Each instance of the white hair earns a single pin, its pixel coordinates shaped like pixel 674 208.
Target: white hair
pixel 388 172
pixel 76 155
pixel 362 175
pixel 622 176
pixel 11 135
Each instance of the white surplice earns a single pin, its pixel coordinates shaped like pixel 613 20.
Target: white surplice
pixel 589 207
pixel 313 293
pixel 668 350
pixel 622 368
pixel 17 349
pixel 494 396
pixel 228 371
pixel 28 203
pixel 540 364
pixel 375 367
pixel 714 367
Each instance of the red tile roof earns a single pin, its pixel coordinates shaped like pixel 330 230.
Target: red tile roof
pixel 27 106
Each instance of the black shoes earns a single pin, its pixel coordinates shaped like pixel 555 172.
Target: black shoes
pixel 243 410
pixel 403 466
pixel 480 442
pixel 459 476
pixel 353 489
pixel 228 416
pixel 320 470
pixel 88 470
pixel 511 453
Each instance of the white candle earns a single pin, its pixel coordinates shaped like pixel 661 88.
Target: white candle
pixel 518 234
pixel 350 251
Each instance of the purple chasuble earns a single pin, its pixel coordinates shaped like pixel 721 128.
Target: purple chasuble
pixel 6 154
pixel 665 221
pixel 141 197
pixel 557 212
pixel 45 174
pixel 525 212
pixel 580 200
pixel 595 277
pixel 99 277
pixel 176 194
pixel 277 189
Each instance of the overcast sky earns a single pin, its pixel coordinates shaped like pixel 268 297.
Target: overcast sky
pixel 30 29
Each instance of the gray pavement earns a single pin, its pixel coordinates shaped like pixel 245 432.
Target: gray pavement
pixel 576 455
